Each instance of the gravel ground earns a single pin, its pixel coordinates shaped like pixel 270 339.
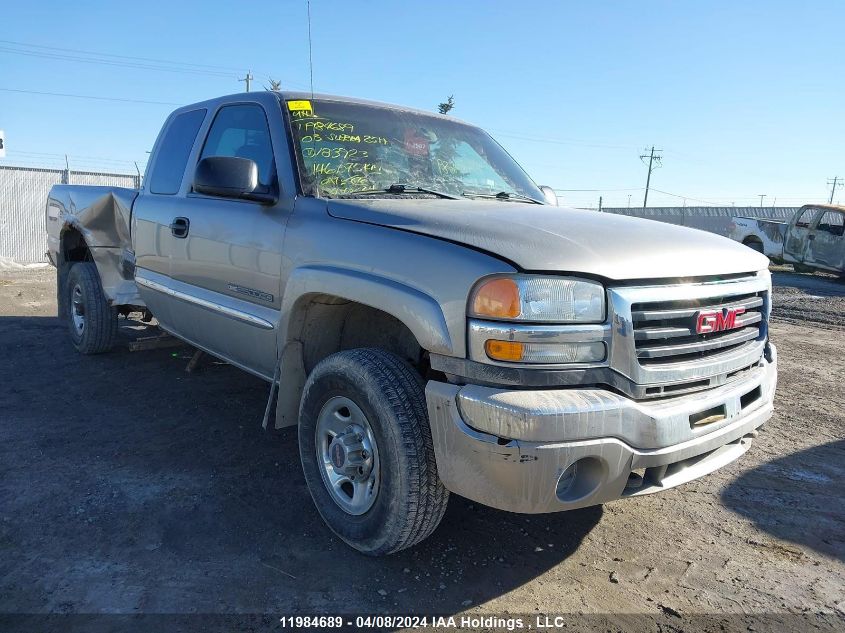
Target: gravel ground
pixel 129 486
pixel 809 298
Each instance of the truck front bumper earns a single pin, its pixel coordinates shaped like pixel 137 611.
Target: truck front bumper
pixel 535 451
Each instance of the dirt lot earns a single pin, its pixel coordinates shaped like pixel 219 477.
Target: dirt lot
pixel 130 486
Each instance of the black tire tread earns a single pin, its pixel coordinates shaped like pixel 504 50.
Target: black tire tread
pixel 395 380
pixel 100 318
pixel 403 386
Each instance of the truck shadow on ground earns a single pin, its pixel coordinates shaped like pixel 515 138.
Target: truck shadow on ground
pixel 797 498
pixel 819 284
pixel 135 487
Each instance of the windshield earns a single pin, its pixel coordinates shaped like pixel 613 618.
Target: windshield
pixel 346 149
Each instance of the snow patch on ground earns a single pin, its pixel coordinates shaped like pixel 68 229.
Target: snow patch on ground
pixel 7 263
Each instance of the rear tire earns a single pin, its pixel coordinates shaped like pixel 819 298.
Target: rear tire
pixel 754 244
pixel 91 320
pixel 367 453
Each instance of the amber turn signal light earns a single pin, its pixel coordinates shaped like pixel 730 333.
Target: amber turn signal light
pixel 504 350
pixel 497 298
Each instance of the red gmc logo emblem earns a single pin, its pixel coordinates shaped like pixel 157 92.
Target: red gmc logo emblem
pixel 717 320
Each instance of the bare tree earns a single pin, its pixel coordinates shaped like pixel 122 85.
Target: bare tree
pixel 446 106
pixel 274 86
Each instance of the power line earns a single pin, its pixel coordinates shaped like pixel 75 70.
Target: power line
pixel 130 57
pixel 558 141
pixel 73 96
pixel 115 63
pixel 125 61
pixel 677 195
pixel 651 160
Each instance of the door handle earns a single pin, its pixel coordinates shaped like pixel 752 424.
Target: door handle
pixel 179 227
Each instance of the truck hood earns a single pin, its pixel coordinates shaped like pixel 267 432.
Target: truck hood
pixel 546 238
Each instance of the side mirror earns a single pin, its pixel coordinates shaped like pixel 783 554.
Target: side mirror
pixel 230 177
pixel 549 193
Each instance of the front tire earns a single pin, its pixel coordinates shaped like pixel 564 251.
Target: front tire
pixel 367 454
pixel 91 320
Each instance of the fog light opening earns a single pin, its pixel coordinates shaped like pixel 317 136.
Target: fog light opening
pixel 566 480
pixel 580 479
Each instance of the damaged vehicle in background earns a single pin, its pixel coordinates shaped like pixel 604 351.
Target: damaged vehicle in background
pixel 814 239
pixel 433 321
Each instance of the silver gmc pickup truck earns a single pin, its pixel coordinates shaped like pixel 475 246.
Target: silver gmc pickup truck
pixel 432 320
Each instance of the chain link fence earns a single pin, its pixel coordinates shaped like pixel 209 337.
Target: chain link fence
pixel 23 198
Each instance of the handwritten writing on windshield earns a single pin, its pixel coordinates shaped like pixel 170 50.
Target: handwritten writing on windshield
pixel 337 156
pixel 345 168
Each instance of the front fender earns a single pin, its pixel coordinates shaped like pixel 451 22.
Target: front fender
pixel 420 313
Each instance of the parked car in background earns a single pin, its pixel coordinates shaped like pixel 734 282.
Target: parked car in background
pixel 814 239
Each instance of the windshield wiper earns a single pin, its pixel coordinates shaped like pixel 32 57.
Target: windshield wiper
pixel 398 189
pixel 502 195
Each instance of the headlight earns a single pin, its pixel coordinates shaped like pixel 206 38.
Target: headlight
pixel 538 299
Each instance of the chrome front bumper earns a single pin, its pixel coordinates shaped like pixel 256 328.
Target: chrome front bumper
pixel 510 449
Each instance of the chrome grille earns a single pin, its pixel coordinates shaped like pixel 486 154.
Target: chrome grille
pixel 665 331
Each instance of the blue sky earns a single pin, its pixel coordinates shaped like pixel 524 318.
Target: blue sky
pixel 745 98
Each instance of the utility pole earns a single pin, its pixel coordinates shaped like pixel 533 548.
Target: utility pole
pixel 837 181
pixel 653 163
pixel 599 203
pixel 247 79
pixel 762 195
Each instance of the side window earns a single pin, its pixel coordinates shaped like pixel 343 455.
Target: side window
pixel 241 130
pixel 832 222
pixel 172 156
pixel 803 221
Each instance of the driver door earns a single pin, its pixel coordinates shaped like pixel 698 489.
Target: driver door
pixel 826 247
pixel 797 233
pixel 227 262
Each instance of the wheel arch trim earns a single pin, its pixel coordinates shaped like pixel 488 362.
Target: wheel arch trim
pixel 419 312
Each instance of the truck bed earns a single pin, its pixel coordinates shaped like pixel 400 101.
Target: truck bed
pixel 763 233
pixel 101 215
pixel 760 220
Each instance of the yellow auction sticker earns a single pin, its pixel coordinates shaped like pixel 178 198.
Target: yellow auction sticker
pixel 298 106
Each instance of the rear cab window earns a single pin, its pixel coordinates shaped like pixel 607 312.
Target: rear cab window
pixel 832 222
pixel 172 156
